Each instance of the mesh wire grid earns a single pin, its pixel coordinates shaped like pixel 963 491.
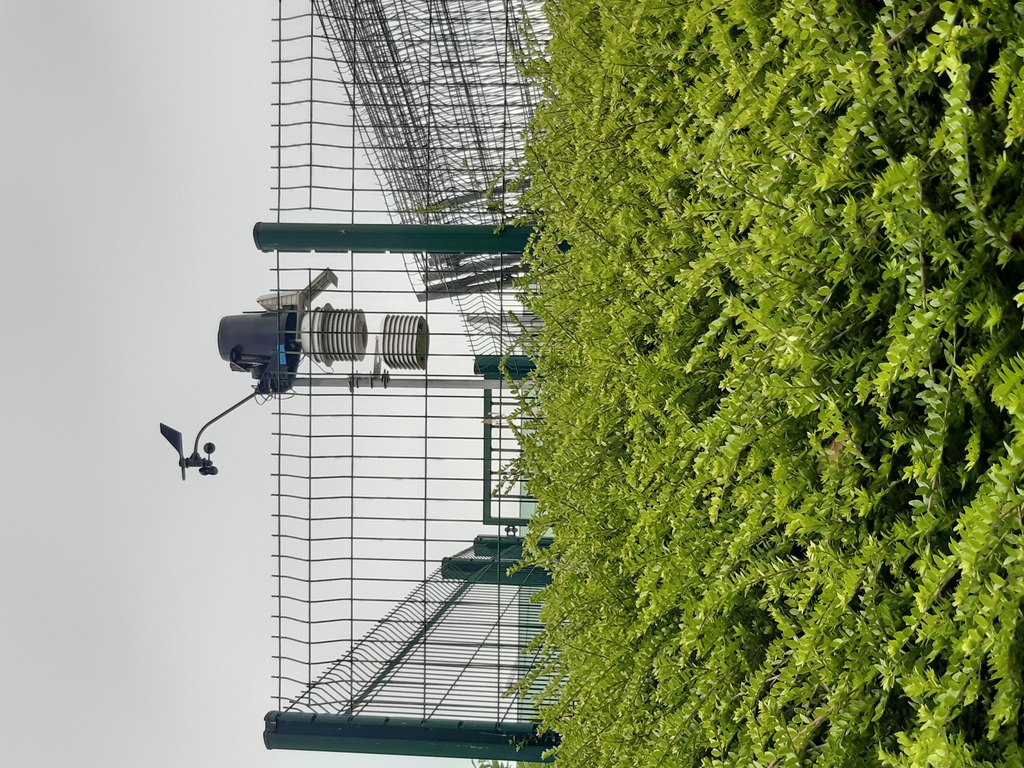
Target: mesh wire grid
pixel 405 112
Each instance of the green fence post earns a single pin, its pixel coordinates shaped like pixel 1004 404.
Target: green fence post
pixel 365 734
pixel 379 238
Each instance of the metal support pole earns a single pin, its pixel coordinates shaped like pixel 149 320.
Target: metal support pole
pixel 407 736
pixel 380 238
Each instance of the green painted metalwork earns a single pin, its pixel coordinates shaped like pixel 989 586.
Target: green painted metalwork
pixel 414 642
pixel 515 367
pixel 489 517
pixel 489 571
pixel 488 400
pixel 479 740
pixel 503 547
pixel 381 238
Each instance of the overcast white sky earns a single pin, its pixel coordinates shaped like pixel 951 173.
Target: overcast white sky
pixel 136 151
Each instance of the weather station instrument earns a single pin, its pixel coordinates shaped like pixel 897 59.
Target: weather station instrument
pixel 270 345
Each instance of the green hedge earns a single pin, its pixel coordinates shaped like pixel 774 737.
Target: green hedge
pixel 781 381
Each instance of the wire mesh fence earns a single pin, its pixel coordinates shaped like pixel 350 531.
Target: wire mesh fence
pixel 390 463
pixel 413 112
